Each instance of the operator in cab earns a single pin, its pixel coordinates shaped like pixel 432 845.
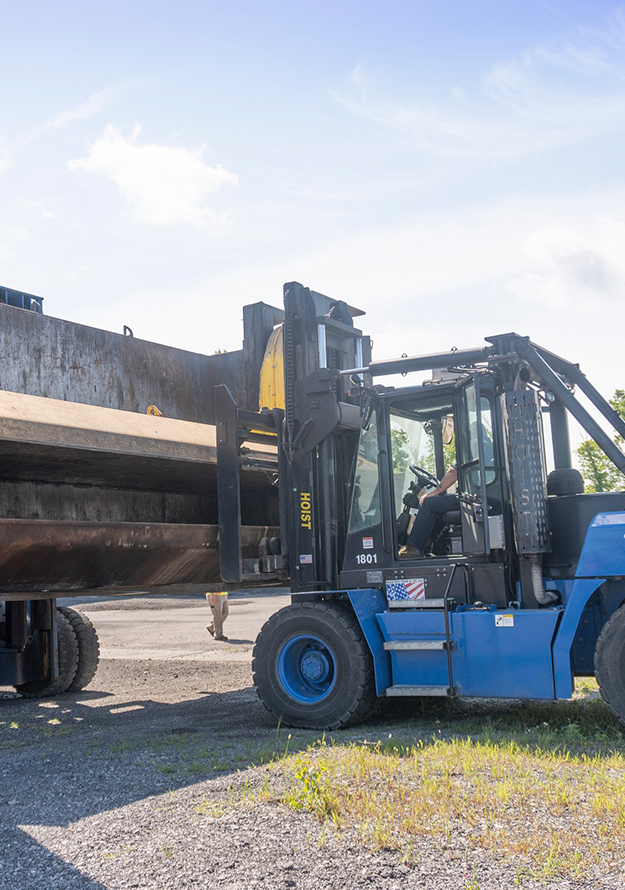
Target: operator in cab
pixel 432 506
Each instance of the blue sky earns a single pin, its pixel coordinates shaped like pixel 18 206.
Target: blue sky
pixel 453 168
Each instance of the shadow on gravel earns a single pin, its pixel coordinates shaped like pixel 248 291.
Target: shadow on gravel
pixel 75 756
pixel 584 726
pixel 26 864
pixel 71 758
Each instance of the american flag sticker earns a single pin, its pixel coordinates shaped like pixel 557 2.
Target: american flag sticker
pixel 412 589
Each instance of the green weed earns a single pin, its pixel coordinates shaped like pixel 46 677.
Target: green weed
pixel 558 813
pixel 214 808
pixel 167 850
pixel 471 880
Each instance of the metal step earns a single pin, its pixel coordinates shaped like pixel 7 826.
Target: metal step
pixel 419 690
pixel 402 645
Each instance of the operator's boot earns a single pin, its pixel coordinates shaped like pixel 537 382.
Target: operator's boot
pixel 408 552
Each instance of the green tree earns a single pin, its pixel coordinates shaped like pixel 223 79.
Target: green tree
pixel 598 471
pixel 399 442
pixel 428 461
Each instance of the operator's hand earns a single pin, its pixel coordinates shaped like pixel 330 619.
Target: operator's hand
pixel 450 478
pixel 412 499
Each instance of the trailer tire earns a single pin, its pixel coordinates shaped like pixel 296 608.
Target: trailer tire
pixel 610 663
pixel 313 668
pixel 67 646
pixel 88 648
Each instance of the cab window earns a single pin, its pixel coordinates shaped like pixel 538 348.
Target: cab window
pixel 410 446
pixel 469 444
pixel 365 510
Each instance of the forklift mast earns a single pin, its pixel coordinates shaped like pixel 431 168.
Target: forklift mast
pixel 316 434
pixel 319 432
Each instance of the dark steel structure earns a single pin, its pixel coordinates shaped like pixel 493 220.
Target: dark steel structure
pixel 108 469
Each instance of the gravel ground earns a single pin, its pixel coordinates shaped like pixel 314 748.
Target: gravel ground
pixel 145 779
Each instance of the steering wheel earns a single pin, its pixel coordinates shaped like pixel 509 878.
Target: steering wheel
pixel 422 474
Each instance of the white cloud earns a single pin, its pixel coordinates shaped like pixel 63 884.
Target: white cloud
pixel 570 268
pixel 550 96
pixel 448 281
pixel 95 104
pixel 162 184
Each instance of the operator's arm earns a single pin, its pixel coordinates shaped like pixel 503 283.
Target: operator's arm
pixel 449 479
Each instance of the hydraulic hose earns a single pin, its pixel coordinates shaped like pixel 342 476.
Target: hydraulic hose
pixel 544 597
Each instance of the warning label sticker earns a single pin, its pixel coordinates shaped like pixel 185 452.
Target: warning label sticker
pixel 504 620
pixel 367 543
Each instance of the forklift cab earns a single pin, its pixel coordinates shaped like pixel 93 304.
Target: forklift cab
pixel 405 448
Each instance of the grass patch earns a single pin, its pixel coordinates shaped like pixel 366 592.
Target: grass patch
pixel 186 754
pixel 559 814
pixel 12 746
pixel 540 785
pixel 584 725
pixel 213 808
pixel 33 729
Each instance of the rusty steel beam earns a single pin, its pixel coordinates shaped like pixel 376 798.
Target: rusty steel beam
pixel 47 440
pixel 55 558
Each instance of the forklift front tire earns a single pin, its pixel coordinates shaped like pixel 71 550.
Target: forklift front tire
pixel 313 668
pixel 610 663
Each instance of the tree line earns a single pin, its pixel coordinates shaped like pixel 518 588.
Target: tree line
pixel 598 471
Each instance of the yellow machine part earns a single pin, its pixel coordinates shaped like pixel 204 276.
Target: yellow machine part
pixel 271 394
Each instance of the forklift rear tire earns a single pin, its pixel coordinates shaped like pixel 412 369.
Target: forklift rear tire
pixel 88 648
pixel 313 668
pixel 610 663
pixel 67 646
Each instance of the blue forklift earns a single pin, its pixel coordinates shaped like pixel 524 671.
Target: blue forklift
pixel 521 587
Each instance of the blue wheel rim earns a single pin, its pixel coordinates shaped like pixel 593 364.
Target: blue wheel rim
pixel 307 669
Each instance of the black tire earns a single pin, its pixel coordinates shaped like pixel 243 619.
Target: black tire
pixel 610 663
pixel 67 645
pixel 324 635
pixel 88 648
